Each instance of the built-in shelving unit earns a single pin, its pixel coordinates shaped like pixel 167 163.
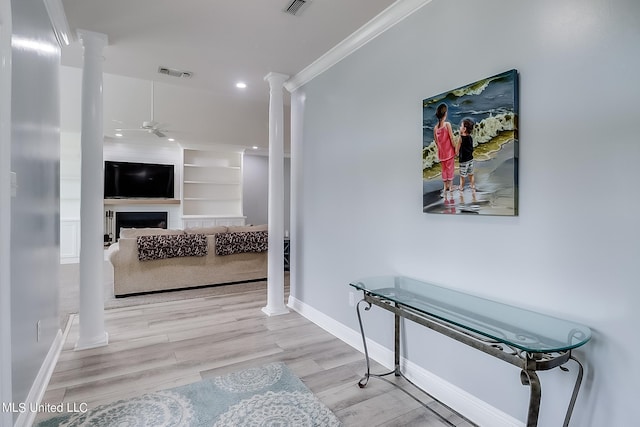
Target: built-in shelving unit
pixel 212 184
pixel 141 201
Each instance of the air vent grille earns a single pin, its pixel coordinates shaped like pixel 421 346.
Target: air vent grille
pixel 296 6
pixel 175 73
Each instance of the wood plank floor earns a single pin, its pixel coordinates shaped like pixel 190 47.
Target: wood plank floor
pixel 163 345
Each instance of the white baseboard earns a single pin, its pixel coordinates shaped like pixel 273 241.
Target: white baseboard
pixel 26 418
pixel 466 404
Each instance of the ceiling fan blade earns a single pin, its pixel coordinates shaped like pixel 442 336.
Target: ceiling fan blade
pixel 158 133
pixel 130 130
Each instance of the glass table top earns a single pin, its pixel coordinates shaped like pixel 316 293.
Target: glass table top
pixel 517 327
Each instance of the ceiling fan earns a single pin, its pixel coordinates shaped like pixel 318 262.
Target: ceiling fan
pixel 150 126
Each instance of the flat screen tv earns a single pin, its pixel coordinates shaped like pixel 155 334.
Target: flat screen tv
pixel 137 180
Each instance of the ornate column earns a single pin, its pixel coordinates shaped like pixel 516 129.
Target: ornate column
pixel 92 332
pixel 275 273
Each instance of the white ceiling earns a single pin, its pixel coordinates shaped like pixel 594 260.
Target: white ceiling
pixel 221 43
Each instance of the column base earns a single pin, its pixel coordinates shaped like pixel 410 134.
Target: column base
pixel 99 341
pixel 275 311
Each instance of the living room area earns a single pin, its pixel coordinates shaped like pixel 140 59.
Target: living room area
pixel 218 186
pixel 357 130
pixel 199 188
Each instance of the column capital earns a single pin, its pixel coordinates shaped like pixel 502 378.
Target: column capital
pixel 91 39
pixel 276 78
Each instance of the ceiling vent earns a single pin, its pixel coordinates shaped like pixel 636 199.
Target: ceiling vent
pixel 296 6
pixel 175 73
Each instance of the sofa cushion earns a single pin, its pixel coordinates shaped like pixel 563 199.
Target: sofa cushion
pixel 128 233
pixel 241 241
pixel 170 246
pixel 206 230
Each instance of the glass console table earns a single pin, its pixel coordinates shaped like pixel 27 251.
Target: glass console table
pixel 529 340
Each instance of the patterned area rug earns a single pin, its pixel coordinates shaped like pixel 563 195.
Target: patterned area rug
pixel 269 396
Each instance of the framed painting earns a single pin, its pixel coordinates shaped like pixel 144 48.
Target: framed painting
pixel 470 148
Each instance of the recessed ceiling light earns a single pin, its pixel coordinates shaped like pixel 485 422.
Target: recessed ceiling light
pixel 241 85
pixel 171 139
pixel 255 147
pixel 118 134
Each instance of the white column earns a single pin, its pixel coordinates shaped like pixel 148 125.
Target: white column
pixel 298 99
pixel 92 332
pixel 275 272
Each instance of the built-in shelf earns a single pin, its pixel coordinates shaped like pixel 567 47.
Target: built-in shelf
pixel 141 201
pixel 192 221
pixel 220 199
pixel 212 183
pixel 192 165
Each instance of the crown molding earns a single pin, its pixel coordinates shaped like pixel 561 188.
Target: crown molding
pixel 59 22
pixel 385 20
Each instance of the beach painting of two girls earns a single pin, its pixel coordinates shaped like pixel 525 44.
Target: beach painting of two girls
pixel 470 148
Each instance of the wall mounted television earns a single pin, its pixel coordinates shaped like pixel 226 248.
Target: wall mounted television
pixel 138 180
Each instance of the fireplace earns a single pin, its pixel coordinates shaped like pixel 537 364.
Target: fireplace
pixel 140 220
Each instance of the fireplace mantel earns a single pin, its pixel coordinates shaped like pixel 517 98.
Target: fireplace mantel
pixel 141 201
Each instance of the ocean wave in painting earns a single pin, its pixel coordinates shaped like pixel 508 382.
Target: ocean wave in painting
pixel 473 89
pixel 491 129
pixel 491 103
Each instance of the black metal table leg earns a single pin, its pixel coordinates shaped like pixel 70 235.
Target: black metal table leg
pixel 576 389
pixel 364 380
pixel 531 379
pixel 397 346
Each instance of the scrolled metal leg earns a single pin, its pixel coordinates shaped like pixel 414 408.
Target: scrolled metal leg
pixel 364 380
pixel 531 379
pixel 576 389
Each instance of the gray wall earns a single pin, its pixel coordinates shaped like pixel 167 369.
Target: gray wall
pixel 35 222
pixel 6 418
pixel 573 250
pixel 255 187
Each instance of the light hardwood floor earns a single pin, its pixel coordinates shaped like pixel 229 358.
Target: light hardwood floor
pixel 163 345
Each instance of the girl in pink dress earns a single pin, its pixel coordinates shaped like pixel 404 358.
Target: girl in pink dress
pixel 443 136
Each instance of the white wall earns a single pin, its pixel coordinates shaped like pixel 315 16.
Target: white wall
pixel 35 147
pixel 255 189
pixel 572 251
pixel 6 418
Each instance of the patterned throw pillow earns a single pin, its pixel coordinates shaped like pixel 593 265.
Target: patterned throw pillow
pixel 239 242
pixel 170 246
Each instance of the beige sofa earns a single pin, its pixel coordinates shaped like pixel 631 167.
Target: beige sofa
pixel 132 276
